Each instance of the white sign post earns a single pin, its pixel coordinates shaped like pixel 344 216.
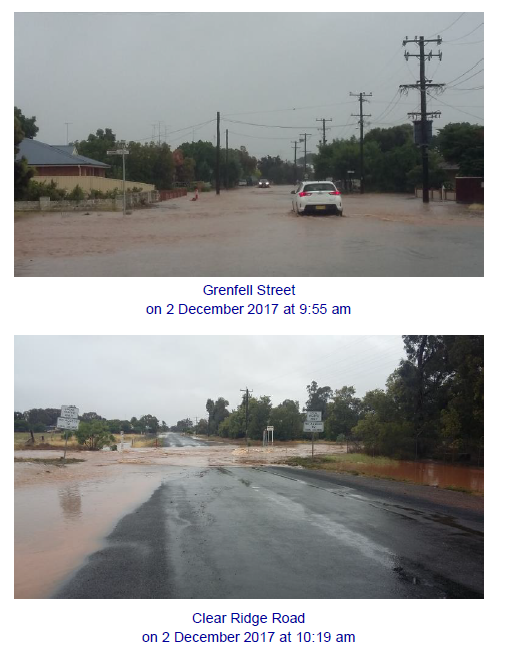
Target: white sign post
pixel 69 420
pixel 269 428
pixel 123 152
pixel 313 423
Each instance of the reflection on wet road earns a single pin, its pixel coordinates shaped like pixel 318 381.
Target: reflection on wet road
pixel 277 532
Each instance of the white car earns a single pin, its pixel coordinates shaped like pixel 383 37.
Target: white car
pixel 317 197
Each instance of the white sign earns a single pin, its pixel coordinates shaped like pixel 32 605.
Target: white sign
pixel 270 428
pixel 68 423
pixel 313 426
pixel 118 151
pixel 313 416
pixel 69 411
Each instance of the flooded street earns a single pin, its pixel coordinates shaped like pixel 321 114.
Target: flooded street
pixel 253 232
pixel 62 514
pixel 90 529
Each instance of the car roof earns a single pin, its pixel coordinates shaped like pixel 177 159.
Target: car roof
pixel 319 181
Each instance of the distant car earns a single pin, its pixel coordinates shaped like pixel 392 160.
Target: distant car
pixel 242 182
pixel 263 183
pixel 312 197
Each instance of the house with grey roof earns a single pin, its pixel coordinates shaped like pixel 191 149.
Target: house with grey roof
pixel 56 160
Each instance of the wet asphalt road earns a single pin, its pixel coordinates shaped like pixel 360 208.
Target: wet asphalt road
pixel 279 532
pixel 177 440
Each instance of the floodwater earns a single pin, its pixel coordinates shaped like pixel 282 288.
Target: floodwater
pixel 57 525
pixel 430 473
pixel 253 232
pixel 62 514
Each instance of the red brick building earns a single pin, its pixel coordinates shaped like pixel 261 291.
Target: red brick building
pixel 55 160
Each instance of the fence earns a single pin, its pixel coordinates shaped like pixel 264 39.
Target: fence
pixel 111 204
pixel 173 193
pixel 89 183
pixel 437 194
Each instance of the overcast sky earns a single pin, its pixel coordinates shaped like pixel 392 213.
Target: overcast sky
pixel 128 72
pixel 171 377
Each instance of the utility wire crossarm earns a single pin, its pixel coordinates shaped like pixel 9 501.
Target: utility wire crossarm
pixel 423 85
pixel 362 98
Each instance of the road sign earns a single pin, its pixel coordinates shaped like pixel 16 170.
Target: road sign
pixel 68 423
pixel 270 428
pixel 313 426
pixel 118 151
pixel 313 416
pixel 69 411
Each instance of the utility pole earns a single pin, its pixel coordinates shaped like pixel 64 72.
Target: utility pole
pixel 361 96
pixel 217 166
pixel 294 142
pixel 246 391
pixel 305 140
pixel 324 120
pixel 67 125
pixel 226 159
pixel 423 84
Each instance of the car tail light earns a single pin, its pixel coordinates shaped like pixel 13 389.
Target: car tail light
pixel 334 193
pixel 302 194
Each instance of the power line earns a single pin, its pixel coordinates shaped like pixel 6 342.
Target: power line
pixel 449 26
pixel 457 108
pixel 466 79
pixel 448 41
pixel 466 72
pixel 467 43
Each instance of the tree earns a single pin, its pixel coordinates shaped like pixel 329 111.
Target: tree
pixel 91 416
pixel 149 423
pixel 342 412
pixel 287 420
pixel 318 397
pixel 22 171
pixel 27 124
pixel 43 417
pixel 463 143
pixel 94 434
pixel 184 425
pixel 217 412
pixel 259 415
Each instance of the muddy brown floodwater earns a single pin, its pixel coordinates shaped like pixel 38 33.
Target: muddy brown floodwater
pixel 429 473
pixel 253 232
pixel 62 514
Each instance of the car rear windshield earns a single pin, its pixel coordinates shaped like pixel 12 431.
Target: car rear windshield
pixel 320 187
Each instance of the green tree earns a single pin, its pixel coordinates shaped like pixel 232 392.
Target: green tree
pixel 217 412
pixel 22 171
pixel 27 124
pixel 342 412
pixel 463 143
pixel 94 434
pixel 318 397
pixel 287 420
pixel 149 423
pixel 259 415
